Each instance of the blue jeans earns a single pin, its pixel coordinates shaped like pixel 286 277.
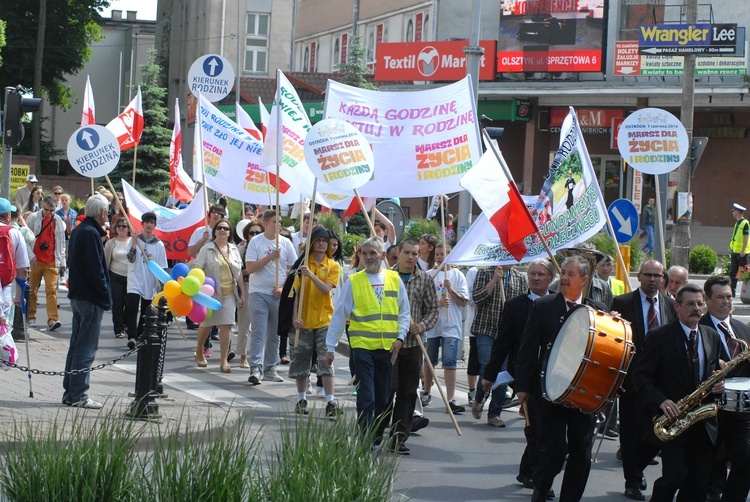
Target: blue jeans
pixel 374 376
pixel 84 342
pixel 449 348
pixel 649 247
pixel 264 336
pixel 484 349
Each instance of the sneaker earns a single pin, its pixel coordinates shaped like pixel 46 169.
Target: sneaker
pixel 32 322
pixel 455 407
pixel 425 399
pixel 320 392
pixel 301 408
pixel 400 448
pixel 255 376
pixel 419 422
pixel 54 325
pixel 272 376
pixel 333 410
pixel 215 337
pixel 495 422
pixel 526 481
pixel 87 403
pixel 206 352
pixel 476 410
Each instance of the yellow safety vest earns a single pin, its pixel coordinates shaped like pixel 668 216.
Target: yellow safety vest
pixel 374 325
pixel 735 245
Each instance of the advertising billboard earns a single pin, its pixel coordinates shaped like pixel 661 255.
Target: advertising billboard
pixel 551 36
pixel 431 61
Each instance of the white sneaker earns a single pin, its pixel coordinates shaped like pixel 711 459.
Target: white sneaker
pixel 88 403
pixel 272 376
pixel 32 322
pixel 320 392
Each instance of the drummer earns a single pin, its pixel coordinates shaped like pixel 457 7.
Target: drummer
pixel 734 428
pixel 562 430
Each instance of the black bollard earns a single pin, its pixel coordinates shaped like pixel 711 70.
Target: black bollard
pixel 143 406
pixel 162 327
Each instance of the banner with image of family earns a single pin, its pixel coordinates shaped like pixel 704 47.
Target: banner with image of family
pixel 569 209
pixel 423 141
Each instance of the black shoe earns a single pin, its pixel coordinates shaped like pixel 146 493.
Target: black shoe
pixel 333 411
pixel 537 496
pixel 400 448
pixel 231 355
pixel 301 407
pixel 455 407
pixel 526 481
pixel 634 494
pixel 419 423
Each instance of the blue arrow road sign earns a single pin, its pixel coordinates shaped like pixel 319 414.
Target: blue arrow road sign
pixel 624 218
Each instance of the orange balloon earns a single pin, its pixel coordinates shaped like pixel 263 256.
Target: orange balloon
pixel 179 279
pixel 181 305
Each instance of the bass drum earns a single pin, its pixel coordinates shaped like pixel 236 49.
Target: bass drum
pixel 588 360
pixel 736 395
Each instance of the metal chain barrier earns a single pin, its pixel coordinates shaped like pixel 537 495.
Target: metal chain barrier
pixel 25 369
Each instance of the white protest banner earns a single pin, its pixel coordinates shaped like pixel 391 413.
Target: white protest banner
pixel 231 160
pixel 338 154
pixel 569 209
pixel 423 141
pixel 174 226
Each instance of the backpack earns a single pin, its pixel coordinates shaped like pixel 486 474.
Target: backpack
pixel 7 257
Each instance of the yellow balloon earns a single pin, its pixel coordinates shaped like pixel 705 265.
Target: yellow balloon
pixel 172 289
pixel 198 274
pixel 155 301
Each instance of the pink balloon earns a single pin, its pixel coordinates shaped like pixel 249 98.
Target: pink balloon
pixel 198 313
pixel 210 281
pixel 207 290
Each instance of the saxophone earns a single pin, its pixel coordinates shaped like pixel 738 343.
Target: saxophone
pixel 667 428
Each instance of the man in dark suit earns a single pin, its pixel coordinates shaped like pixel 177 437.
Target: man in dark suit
pixel 646 309
pixel 561 430
pixel 512 325
pixel 733 443
pixel 675 359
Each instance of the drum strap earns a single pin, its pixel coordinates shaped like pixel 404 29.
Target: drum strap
pixel 732 345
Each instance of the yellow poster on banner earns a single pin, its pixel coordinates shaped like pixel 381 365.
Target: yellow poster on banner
pixel 18 173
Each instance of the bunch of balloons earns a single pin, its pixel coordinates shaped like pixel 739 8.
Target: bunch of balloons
pixel 188 292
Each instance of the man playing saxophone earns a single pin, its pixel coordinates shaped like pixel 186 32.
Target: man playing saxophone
pixel 675 359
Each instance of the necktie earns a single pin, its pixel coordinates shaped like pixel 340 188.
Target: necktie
pixel 732 345
pixel 570 304
pixel 693 356
pixel 653 320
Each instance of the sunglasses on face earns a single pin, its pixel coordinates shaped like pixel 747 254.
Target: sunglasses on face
pixel 224 229
pixel 121 226
pixel 252 232
pixel 57 193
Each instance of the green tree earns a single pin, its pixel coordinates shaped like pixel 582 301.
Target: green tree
pixel 354 71
pixel 71 27
pixel 152 163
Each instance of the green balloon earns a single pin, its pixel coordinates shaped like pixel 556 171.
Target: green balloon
pixel 209 314
pixel 191 285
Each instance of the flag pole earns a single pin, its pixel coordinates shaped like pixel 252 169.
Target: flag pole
pixel 493 147
pixel 307 260
pixel 364 211
pixel 199 132
pixel 279 152
pixel 445 273
pixel 135 158
pixel 133 233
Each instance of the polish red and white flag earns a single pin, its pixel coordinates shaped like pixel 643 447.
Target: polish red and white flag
pixel 502 203
pixel 244 121
pixel 128 126
pixel 87 118
pixel 265 118
pixel 181 187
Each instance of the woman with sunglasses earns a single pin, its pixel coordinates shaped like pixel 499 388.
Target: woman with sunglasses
pixel 243 314
pixel 116 253
pixel 35 201
pixel 220 259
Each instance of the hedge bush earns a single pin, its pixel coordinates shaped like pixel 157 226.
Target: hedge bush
pixel 702 260
pixel 349 242
pixel 417 227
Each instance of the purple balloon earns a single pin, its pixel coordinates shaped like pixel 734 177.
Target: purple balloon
pixel 210 281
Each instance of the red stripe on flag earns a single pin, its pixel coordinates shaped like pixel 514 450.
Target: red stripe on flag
pixel 513 223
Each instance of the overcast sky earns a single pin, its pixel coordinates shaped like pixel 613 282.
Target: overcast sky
pixel 146 8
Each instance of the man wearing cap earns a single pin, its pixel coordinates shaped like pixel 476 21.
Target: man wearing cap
pixel 47 259
pixel 738 245
pixel 23 193
pixel 20 258
pixel 142 284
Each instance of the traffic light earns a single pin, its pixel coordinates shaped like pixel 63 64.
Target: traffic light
pixel 16 106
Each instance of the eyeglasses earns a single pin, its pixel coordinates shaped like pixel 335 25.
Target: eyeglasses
pixel 224 229
pixel 693 305
pixel 121 226
pixel 251 232
pixel 48 210
pixel 57 193
pixel 652 276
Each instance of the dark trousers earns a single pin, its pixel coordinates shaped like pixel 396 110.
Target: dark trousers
pixel 733 446
pixel 737 261
pixel 564 431
pixel 374 372
pixel 636 451
pixel 405 382
pixel 686 462
pixel 530 458
pixel 134 317
pixel 119 286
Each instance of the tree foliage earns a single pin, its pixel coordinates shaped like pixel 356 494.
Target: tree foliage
pixel 355 69
pixel 152 163
pixel 72 25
